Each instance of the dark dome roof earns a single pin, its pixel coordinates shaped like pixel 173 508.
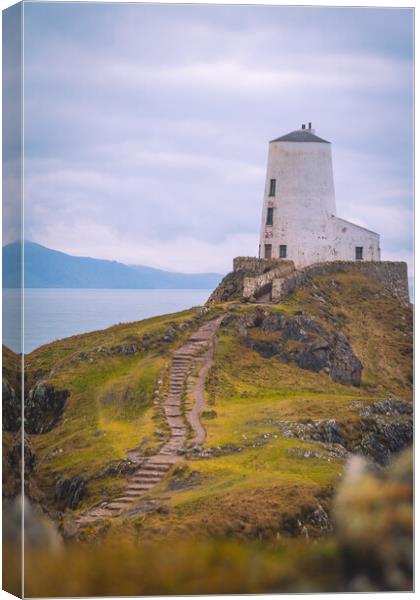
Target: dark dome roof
pixel 300 135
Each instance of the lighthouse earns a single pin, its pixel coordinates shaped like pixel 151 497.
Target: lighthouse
pixel 299 220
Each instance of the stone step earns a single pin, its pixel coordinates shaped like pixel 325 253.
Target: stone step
pixel 116 506
pixel 124 500
pixel 157 461
pixel 144 475
pixel 140 483
pixel 134 493
pixel 143 483
pixel 175 421
pixel 155 466
pixel 176 440
pixel 149 474
pixel 94 514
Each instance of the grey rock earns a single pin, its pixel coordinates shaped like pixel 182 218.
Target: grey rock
pixel 44 407
pixel 389 407
pixel 300 339
pixel 376 438
pixel 12 408
pixel 170 334
pixel 69 492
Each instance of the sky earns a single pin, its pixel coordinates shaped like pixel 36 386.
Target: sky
pixel 147 126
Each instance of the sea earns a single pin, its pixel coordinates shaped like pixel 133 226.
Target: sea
pixel 53 314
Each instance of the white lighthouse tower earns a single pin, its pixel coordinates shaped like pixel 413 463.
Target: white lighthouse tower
pixel 299 219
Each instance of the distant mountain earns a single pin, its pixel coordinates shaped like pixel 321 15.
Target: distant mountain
pixel 46 268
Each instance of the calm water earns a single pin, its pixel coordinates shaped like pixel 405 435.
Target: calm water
pixel 51 314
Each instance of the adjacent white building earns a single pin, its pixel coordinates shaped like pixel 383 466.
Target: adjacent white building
pixel 299 219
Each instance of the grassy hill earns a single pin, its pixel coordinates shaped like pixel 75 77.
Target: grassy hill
pixel 278 435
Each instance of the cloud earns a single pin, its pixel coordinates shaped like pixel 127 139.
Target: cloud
pixel 147 125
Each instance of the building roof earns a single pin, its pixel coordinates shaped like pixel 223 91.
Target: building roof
pixel 300 135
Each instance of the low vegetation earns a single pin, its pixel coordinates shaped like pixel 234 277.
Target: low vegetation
pixel 243 506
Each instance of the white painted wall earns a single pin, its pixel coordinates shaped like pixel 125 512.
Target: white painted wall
pixel 345 236
pixel 304 208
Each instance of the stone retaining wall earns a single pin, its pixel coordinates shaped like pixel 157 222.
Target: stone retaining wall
pixel 252 277
pixel 260 284
pixel 258 266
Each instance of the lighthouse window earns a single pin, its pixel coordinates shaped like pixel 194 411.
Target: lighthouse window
pixel 283 252
pixel 272 187
pixel 270 212
pixel 267 250
pixel 359 252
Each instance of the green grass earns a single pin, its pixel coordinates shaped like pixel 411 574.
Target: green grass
pixel 110 409
pixel 256 485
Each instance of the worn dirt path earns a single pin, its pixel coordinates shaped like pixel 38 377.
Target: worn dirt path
pixel 198 349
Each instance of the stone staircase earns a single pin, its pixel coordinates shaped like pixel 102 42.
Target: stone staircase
pixel 152 470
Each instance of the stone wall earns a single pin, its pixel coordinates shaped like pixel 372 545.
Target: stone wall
pixel 252 277
pixel 260 284
pixel 256 266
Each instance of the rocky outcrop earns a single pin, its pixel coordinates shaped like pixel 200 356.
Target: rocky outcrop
pixel 230 288
pixel 310 522
pixel 377 437
pixel 44 407
pixel 301 340
pixel 69 492
pixel 12 408
pixel 389 407
pixel 13 468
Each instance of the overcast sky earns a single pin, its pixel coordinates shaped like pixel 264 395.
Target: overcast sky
pixel 146 126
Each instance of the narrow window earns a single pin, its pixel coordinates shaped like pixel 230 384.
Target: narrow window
pixel 267 250
pixel 283 252
pixel 259 251
pixel 272 187
pixel 359 252
pixel 270 212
